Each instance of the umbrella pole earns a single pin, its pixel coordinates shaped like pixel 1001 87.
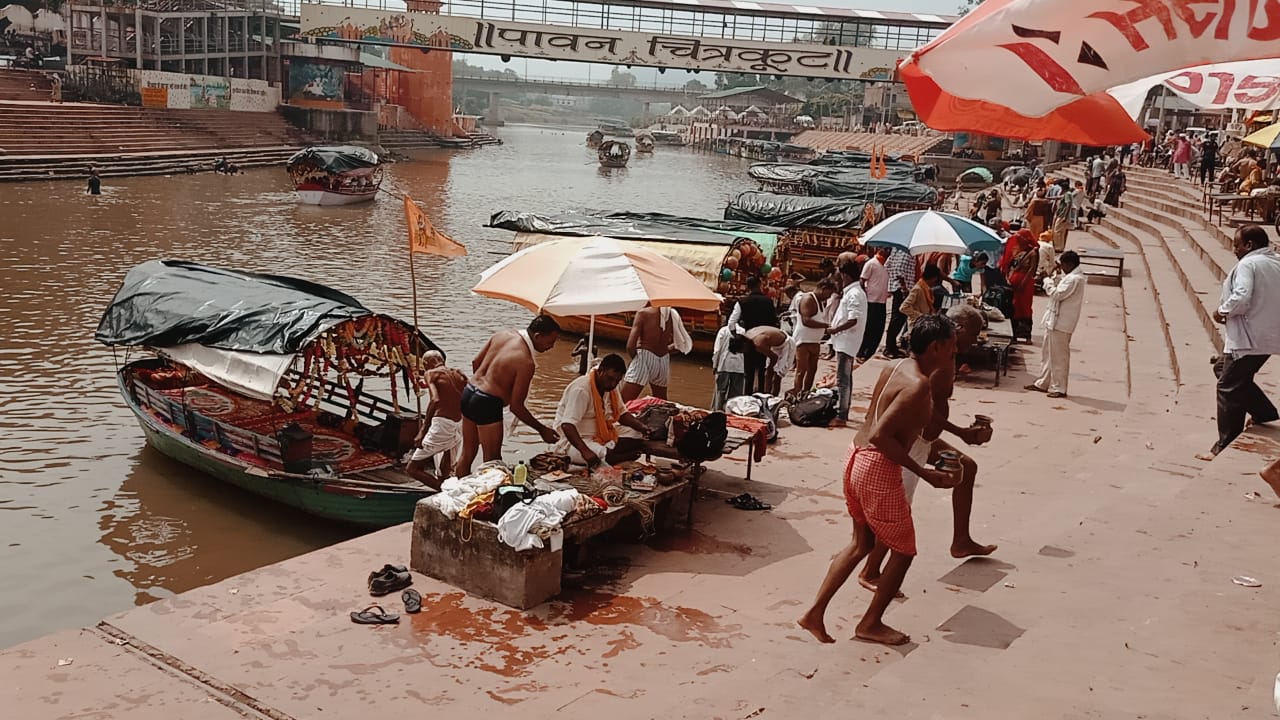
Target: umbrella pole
pixel 591 339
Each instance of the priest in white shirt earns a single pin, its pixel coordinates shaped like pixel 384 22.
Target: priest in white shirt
pixel 594 421
pixel 1250 310
pixel 847 328
pixel 1066 297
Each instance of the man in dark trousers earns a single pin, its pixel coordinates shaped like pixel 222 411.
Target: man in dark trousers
pixel 753 310
pixel 1209 159
pixel 902 275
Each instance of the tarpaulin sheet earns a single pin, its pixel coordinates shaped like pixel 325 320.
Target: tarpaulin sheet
pixel 852 181
pixel 165 303
pixel 336 158
pixel 649 226
pixel 795 211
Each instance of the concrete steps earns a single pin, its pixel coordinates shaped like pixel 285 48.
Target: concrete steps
pixel 167 163
pixel 405 140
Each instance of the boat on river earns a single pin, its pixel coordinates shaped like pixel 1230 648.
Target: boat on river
pixel 644 142
pixel 335 174
pixel 267 383
pixel 594 138
pixel 613 154
pixel 666 137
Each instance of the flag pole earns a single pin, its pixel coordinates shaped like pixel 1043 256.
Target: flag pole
pixel 413 278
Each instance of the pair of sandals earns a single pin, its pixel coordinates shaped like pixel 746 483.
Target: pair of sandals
pixel 384 582
pixel 747 501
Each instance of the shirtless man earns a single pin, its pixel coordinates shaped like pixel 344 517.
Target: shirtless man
pixel 779 351
pixel 650 344
pixel 930 446
pixel 874 496
pixel 501 375
pixel 811 324
pixel 441 431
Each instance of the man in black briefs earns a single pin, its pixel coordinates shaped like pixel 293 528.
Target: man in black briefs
pixel 501 374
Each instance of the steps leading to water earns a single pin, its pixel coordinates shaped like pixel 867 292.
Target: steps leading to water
pixel 401 141
pixel 24 85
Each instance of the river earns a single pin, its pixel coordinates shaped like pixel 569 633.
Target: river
pixel 91 520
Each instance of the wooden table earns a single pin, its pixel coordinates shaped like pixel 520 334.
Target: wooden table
pixel 1106 258
pixel 996 349
pixel 736 439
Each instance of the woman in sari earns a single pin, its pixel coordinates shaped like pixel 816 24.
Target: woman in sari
pixel 1022 278
pixel 1062 217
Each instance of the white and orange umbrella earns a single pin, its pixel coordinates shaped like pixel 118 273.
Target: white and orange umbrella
pixel 1041 69
pixel 593 276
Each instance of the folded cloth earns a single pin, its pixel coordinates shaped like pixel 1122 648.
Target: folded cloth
pixel 456 493
pixel 519 525
pixel 637 406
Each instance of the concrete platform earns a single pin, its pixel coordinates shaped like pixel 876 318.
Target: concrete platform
pixel 1111 595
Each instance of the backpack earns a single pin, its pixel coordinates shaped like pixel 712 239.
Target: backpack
pixel 704 439
pixel 817 410
pixel 755 407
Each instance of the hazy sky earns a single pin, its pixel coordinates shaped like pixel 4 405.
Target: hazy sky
pixel 650 76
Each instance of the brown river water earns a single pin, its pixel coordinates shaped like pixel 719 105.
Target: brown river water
pixel 91 520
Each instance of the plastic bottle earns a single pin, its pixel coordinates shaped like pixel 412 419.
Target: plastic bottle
pixel 521 474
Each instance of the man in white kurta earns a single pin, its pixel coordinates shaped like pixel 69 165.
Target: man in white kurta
pixel 1066 298
pixel 588 441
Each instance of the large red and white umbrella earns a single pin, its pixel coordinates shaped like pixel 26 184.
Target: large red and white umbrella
pixel 1040 69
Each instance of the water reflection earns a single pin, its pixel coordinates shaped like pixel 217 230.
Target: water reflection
pixel 90 520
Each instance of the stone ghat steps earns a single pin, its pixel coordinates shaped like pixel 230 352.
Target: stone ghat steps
pixel 46 168
pixel 1198 262
pixel 24 85
pixel 403 140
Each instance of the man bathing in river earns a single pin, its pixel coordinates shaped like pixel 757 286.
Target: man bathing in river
pixel 501 375
pixel 441 432
pixel 930 446
pixel 655 332
pixel 900 407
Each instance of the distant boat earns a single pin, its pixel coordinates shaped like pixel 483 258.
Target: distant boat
pixel 594 138
pixel 666 137
pixel 613 154
pixel 335 175
pixel 644 142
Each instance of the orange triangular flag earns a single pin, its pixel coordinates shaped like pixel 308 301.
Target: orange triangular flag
pixel 883 170
pixel 423 236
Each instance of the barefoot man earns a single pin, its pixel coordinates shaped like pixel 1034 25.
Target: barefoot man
pixel 928 449
pixel 655 332
pixel 501 376
pixel 900 407
pixel 441 432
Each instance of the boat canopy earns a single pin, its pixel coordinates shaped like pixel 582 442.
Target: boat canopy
pixel 796 211
pixel 634 225
pixel 336 158
pixel 244 330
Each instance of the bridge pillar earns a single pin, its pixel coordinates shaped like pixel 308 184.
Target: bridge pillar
pixel 493 117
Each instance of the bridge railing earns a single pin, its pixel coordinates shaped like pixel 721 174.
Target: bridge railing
pixel 691 21
pixel 514 77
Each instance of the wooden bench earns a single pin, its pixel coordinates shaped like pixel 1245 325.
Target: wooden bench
pixel 1111 261
pixel 468 554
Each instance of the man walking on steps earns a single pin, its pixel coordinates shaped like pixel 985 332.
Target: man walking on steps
pixel 1250 309
pixel 1066 297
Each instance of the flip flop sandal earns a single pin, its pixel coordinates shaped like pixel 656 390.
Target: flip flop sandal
pixel 387 570
pixel 412 601
pixel 752 503
pixel 374 615
pixel 387 584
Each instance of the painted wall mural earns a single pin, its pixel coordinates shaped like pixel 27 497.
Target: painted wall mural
pixel 315 84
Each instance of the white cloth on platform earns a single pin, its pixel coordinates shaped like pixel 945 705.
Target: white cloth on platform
pixel 520 524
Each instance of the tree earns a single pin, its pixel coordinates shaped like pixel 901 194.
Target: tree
pixel 726 81
pixel 696 86
pixel 621 78
pixel 967 6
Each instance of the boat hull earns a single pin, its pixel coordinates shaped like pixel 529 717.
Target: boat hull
pixel 371 507
pixel 617 328
pixel 328 197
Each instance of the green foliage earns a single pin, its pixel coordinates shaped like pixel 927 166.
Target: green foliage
pixel 967 6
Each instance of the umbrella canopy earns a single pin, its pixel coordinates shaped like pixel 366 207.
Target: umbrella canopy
pixel 978 172
pixel 593 276
pixel 1056 60
pixel 925 231
pixel 1267 137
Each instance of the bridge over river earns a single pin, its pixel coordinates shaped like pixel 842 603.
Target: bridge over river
pixel 713 35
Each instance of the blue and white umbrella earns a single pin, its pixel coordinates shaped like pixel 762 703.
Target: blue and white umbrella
pixel 925 231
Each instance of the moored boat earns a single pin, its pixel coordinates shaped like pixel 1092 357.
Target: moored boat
pixel 594 138
pixel 644 142
pixel 666 137
pixel 260 381
pixel 613 154
pixel 335 174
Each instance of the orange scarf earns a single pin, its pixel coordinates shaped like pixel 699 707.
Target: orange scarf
pixel 605 432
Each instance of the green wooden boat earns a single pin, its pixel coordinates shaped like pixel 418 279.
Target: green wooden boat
pixel 259 381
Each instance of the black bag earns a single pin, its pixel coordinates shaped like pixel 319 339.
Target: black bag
pixel 816 410
pixel 507 496
pixel 1000 298
pixel 704 439
pixel 656 419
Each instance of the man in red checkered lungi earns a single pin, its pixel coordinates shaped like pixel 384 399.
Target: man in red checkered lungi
pixel 900 407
